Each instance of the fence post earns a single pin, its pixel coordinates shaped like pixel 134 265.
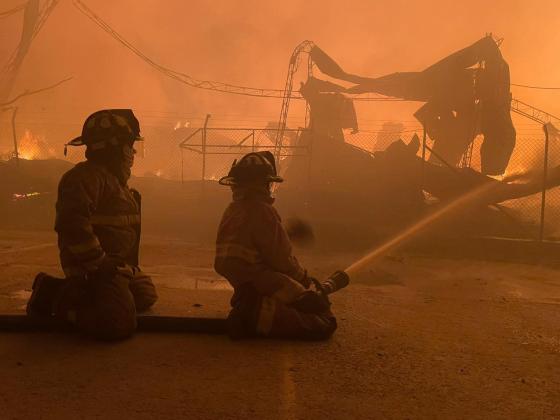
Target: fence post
pixel 14 133
pixel 253 149
pixel 204 147
pixel 309 156
pixel 422 170
pixel 544 182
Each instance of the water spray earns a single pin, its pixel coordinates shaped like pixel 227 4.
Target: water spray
pixel 341 279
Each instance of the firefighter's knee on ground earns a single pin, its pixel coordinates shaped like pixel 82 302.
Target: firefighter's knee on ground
pixel 143 291
pixel 113 332
pixel 145 300
pixel 114 325
pixel 277 320
pixel 324 330
pixel 111 312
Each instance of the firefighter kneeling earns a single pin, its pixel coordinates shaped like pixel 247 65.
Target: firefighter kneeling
pixel 272 294
pixel 98 226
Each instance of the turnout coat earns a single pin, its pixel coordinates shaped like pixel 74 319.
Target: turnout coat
pixel 253 252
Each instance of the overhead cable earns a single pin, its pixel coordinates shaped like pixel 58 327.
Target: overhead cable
pixel 536 87
pixel 191 81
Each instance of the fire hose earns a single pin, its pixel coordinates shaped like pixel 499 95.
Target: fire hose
pixel 160 323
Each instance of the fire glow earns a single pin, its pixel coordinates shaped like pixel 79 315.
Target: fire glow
pixel 25 196
pixel 31 147
pixel 179 125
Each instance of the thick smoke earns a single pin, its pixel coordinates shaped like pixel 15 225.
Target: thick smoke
pixel 249 43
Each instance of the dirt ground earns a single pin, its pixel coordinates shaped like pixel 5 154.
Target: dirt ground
pixel 418 338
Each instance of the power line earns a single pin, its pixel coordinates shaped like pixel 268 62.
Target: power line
pixel 536 87
pixel 46 11
pixel 225 87
pixel 191 81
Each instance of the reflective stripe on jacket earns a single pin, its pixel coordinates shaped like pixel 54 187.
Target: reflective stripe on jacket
pixel 96 217
pixel 253 246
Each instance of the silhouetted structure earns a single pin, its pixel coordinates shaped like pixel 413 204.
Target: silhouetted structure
pixel 461 101
pixel 390 132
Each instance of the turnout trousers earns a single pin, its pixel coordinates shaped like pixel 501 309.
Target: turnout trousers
pixel 254 315
pixel 104 306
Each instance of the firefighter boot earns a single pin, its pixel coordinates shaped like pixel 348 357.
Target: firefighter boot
pixel 46 290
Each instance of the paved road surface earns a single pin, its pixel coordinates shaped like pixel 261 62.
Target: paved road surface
pixel 418 338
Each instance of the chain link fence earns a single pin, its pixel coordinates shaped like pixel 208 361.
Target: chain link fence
pixel 207 154
pixel 537 216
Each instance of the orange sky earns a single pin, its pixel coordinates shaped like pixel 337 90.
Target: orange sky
pixel 249 42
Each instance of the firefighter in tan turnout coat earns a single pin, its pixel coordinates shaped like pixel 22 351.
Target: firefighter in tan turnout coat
pixel 98 226
pixel 253 252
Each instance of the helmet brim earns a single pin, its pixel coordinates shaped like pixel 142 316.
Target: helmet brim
pixel 79 141
pixel 230 181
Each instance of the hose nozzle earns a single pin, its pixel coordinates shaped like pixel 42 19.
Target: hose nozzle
pixel 338 280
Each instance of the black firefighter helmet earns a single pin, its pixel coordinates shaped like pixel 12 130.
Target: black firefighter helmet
pixel 107 128
pixel 253 168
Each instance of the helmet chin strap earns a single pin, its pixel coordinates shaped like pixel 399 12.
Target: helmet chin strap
pixel 250 190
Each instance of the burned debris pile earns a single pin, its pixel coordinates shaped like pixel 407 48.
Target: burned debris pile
pixel 395 185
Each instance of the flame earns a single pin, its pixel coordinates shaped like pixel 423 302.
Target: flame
pixel 31 146
pixel 179 125
pixel 25 196
pixel 516 174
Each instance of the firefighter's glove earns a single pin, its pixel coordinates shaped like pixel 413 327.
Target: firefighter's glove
pixel 306 281
pixel 312 303
pixel 109 267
